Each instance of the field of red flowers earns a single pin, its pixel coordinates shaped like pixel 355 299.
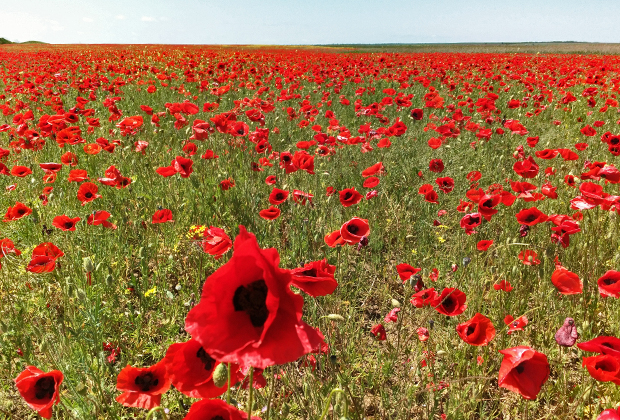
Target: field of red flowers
pixel 216 233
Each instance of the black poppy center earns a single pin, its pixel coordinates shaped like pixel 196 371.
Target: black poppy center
pixel 309 273
pixel 520 368
pixel 217 418
pixel 488 203
pixel 21 212
pixel 206 359
pixel 44 388
pixel 449 304
pixel 252 299
pixel 348 196
pixel 471 329
pixel 609 281
pixel 530 218
pixel 88 195
pixel 353 229
pixel 68 225
pixel 279 196
pixel 146 381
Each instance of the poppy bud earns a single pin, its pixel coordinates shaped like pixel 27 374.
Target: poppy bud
pixel 335 317
pixel 109 280
pixel 395 303
pixel 220 375
pixel 567 335
pixel 88 264
pixel 466 261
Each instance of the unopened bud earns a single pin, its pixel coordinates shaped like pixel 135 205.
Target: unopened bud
pixel 88 265
pixel 335 317
pixel 220 375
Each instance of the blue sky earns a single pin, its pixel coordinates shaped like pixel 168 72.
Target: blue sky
pixel 290 22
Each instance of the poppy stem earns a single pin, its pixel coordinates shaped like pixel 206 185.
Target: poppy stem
pixel 273 387
pixel 153 410
pixel 250 395
pixel 329 399
pixel 228 387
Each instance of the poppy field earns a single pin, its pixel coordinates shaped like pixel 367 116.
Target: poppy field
pixel 308 233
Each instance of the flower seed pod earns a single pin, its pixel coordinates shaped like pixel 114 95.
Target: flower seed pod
pixel 220 375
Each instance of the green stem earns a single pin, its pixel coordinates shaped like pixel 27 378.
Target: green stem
pixel 152 413
pixel 228 386
pixel 250 395
pixel 273 387
pixel 329 398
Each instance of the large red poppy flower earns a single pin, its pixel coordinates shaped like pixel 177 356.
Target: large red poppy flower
pixel 609 414
pixel 215 410
pixel 39 389
pixel 445 184
pixel 44 258
pixel 609 284
pixel 247 313
pixel 604 368
pixel 16 212
pixel 484 244
pixel 88 192
pixel 278 196
pixel 602 344
pixel 470 221
pixel 354 230
pixel 451 302
pixel 478 331
pixel 20 171
pixel 182 166
pixel 190 370
pixel 487 204
pixel 423 297
pixel 523 370
pixel 567 282
pixel 142 387
pixel 315 278
pixel 371 182
pixel 349 197
pixel 65 222
pixel 333 239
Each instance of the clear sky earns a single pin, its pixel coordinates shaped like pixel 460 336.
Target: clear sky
pixel 287 22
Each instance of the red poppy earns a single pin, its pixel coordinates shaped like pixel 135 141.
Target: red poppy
pixel 515 324
pixel 529 257
pixel 423 297
pixel 354 230
pixel 247 313
pixel 216 242
pixel 470 221
pixel 271 213
pixel 546 154
pixel 329 191
pixel 425 189
pixel 78 175
pixel 526 168
pixel 301 197
pixel 227 184
pixel 333 239
pixel 602 344
pixel 16 212
pixel 69 159
pixel 531 216
pixel 8 247
pixel 371 182
pixel 436 165
pixel 270 180
pixel 473 176
pixel 609 284
pixel 532 141
pixel 603 368
pixel 567 282
pixel 445 184
pixel 162 216
pixel 166 171
pixel 88 192
pixel 376 169
pixel 20 171
pixel 40 390
pixel 431 197
pixel 183 166
pixel 588 131
pixel 315 278
pixel 190 148
pixel 523 370
pixel 215 409
pixel 487 204
pixel 451 302
pixel 100 217
pixel 65 223
pixel 278 196
pixel 417 114
pixel 609 414
pixel 190 370
pixel 405 271
pixel 349 197
pixel 484 245
pixel 142 386
pixel 379 332
pixel 478 331
pixel 209 154
pixel 503 285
